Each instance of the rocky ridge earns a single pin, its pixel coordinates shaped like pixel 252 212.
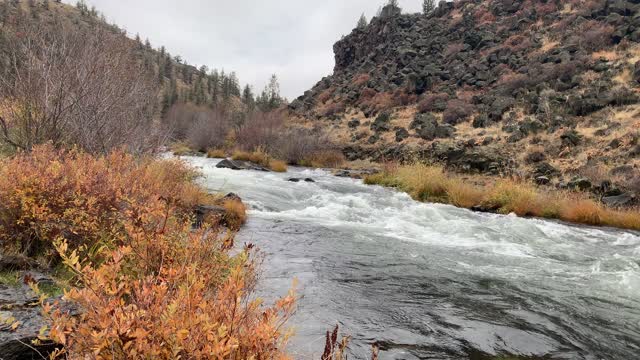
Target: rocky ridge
pixel 546 90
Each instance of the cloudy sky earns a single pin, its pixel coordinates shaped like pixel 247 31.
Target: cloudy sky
pixel 255 38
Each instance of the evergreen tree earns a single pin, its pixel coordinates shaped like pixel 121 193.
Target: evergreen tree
pixel 428 6
pixel 270 98
pixel 362 23
pixel 248 99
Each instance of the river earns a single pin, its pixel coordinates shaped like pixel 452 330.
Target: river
pixel 430 281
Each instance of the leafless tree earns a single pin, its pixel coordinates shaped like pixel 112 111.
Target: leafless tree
pixel 75 87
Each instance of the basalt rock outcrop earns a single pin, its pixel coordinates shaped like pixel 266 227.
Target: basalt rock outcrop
pixel 494 79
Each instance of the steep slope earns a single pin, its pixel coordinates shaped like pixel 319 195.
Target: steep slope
pixel 174 78
pixel 543 89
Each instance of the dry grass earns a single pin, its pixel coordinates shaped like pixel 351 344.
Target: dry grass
pixel 258 157
pixel 261 158
pixel 216 154
pixel 181 149
pixel 325 159
pixel 433 184
pixel 278 166
pixel 235 215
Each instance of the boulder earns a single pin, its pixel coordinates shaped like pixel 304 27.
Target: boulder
pixel 623 200
pixel 580 183
pixel 543 180
pixel 239 165
pixel 401 134
pixel 381 123
pixel 535 157
pixel 354 123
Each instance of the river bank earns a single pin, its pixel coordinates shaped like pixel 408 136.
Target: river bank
pixel 429 183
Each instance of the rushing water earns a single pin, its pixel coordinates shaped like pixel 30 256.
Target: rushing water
pixel 432 281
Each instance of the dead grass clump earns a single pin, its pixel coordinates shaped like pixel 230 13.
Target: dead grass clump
pixel 325 159
pixel 583 211
pixel 432 183
pixel 278 166
pixel 235 214
pixel 463 194
pixel 216 154
pixel 261 158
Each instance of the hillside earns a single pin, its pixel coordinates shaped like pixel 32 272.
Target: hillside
pixel 546 90
pixel 173 78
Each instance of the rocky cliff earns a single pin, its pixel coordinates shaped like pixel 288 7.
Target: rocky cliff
pixel 546 89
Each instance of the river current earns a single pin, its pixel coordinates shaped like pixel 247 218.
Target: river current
pixel 430 281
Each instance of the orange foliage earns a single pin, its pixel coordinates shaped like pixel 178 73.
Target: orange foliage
pixel 49 193
pixel 146 285
pixel 170 293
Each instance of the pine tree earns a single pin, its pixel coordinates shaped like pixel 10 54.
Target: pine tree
pixel 393 3
pixel 248 99
pixel 362 23
pixel 428 6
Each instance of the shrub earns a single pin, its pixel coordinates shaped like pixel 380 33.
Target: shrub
pixel 169 293
pixel 325 159
pixel 457 111
pixel 82 86
pixel 333 109
pixel 453 49
pixel 324 96
pixel 216 154
pixel 594 35
pixel 360 79
pixel 209 130
pixel 147 285
pixel 297 145
pixel 236 213
pixel 433 103
pixel 278 166
pixel 47 194
pixel 261 131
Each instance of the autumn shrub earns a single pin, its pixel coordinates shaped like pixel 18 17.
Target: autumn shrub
pixel 453 49
pixel 260 130
pixel 299 145
pixel 594 35
pixel 328 158
pixel 48 193
pixel 144 284
pixel 278 166
pixel 261 158
pixel 433 103
pixel 360 79
pixel 216 153
pixel 169 293
pixel 333 109
pixel 457 111
pixel 324 96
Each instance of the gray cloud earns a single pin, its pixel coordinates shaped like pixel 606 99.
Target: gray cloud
pixel 291 38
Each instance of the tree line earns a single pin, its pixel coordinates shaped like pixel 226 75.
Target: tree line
pixel 70 78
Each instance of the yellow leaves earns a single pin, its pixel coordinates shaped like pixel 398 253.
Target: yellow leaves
pixel 148 285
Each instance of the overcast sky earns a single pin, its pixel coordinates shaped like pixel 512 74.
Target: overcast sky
pixel 255 38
